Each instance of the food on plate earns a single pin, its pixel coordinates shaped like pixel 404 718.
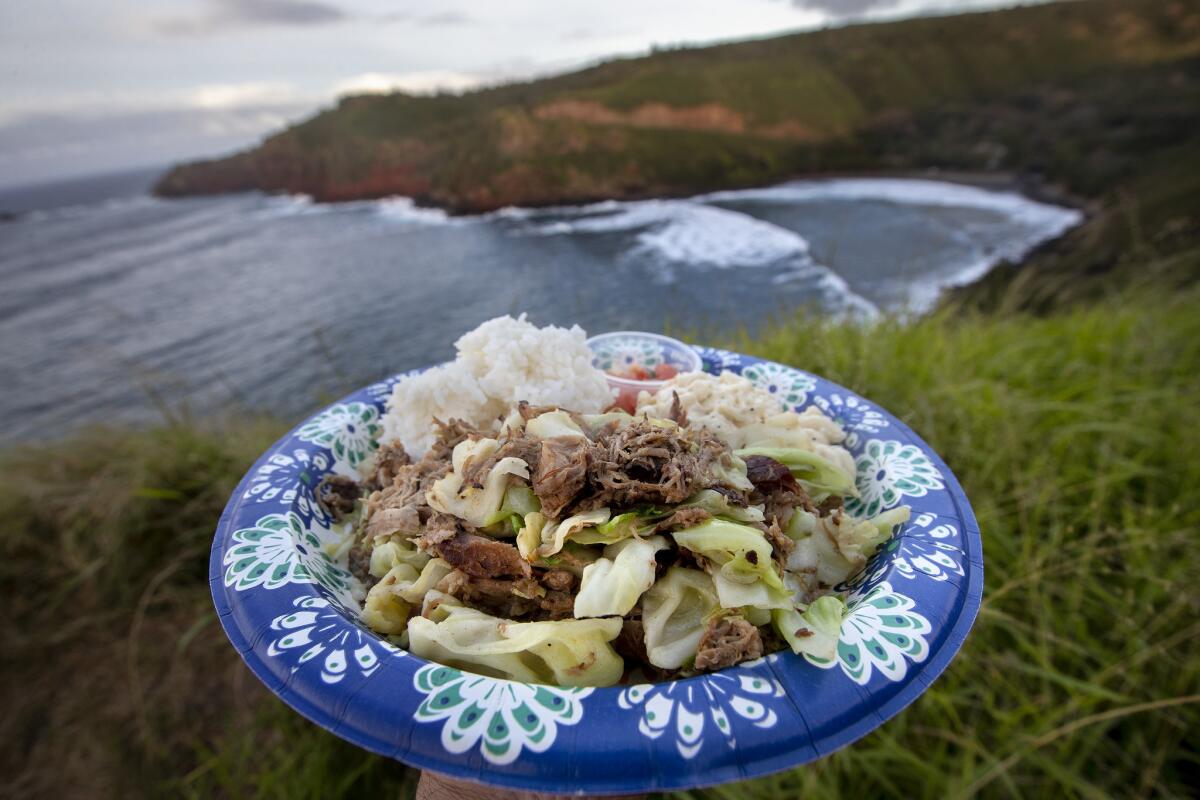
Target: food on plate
pixel 501 362
pixel 515 524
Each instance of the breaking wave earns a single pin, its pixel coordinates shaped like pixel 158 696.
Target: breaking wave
pixel 674 234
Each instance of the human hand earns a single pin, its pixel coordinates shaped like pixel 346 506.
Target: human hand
pixel 439 787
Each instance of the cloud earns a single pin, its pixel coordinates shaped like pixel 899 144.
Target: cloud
pixel 48 146
pixel 844 8
pixel 444 19
pixel 226 15
pixel 441 19
pixel 592 34
pixel 238 95
pixel 428 82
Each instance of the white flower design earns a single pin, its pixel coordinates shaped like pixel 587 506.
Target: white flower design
pixel 622 352
pixel 718 360
pixel 316 628
pixel 854 415
pixel 682 708
pixel 881 633
pixel 791 386
pixel 888 471
pixel 918 550
pixel 502 717
pixel 280 549
pixel 350 430
pixel 929 551
pixel 289 480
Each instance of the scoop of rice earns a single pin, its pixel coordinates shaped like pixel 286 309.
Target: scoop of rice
pixel 501 362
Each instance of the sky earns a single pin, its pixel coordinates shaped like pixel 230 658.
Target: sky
pixel 90 86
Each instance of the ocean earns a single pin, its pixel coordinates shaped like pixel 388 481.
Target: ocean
pixel 119 307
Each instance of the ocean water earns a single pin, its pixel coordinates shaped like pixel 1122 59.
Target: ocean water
pixel 119 307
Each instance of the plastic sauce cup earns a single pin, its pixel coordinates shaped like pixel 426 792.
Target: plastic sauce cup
pixel 622 351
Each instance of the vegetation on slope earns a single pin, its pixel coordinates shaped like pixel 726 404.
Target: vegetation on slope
pixel 1079 100
pixel 946 91
pixel 1074 435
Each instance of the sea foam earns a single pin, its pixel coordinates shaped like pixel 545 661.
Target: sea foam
pixel 1032 222
pixel 674 234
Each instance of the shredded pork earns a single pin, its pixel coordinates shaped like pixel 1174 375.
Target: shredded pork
pixel 728 640
pixel 561 473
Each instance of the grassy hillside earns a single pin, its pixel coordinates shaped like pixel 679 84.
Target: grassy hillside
pixel 1078 100
pixel 903 94
pixel 1074 435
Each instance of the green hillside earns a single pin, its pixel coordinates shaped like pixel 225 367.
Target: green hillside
pixel 941 91
pixel 1095 102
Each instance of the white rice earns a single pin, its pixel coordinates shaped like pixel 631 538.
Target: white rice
pixel 501 362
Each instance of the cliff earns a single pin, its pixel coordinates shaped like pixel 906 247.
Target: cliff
pixel 1097 102
pixel 996 90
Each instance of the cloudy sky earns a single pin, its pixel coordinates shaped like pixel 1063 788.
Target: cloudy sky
pixel 89 86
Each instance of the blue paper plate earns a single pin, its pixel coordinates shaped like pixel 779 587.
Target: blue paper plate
pixel 287 608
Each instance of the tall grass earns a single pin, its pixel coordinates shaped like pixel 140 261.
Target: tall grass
pixel 1074 435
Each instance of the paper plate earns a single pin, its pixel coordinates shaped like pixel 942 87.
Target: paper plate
pixel 287 608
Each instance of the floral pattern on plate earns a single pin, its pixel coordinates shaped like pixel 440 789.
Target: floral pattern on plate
pixel 717 361
pixel 682 709
pixel 791 386
pixel 290 480
pixel 854 415
pixel 502 717
pixel 888 471
pixel 350 430
pixel 278 550
pixel 316 632
pixel 881 634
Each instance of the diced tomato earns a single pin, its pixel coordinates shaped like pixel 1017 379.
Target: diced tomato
pixel 634 372
pixel 665 371
pixel 627 399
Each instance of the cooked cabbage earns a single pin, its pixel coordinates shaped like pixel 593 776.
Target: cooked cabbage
pixel 731 471
pixel 479 507
pixel 818 475
pixel 738 594
pixel 675 611
pixel 390 601
pixel 552 424
pixel 562 653
pixel 814 631
pixel 414 591
pixel 612 585
pixel 595 422
pixel 638 522
pixel 741 552
pixel 518 501
pixel 385 610
pixel 388 554
pixel 839 546
pixel 573 558
pixel 541 538
pixel 718 505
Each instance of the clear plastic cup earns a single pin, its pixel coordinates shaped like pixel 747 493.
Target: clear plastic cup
pixel 622 352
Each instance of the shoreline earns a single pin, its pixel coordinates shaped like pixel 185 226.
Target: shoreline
pixel 973 275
